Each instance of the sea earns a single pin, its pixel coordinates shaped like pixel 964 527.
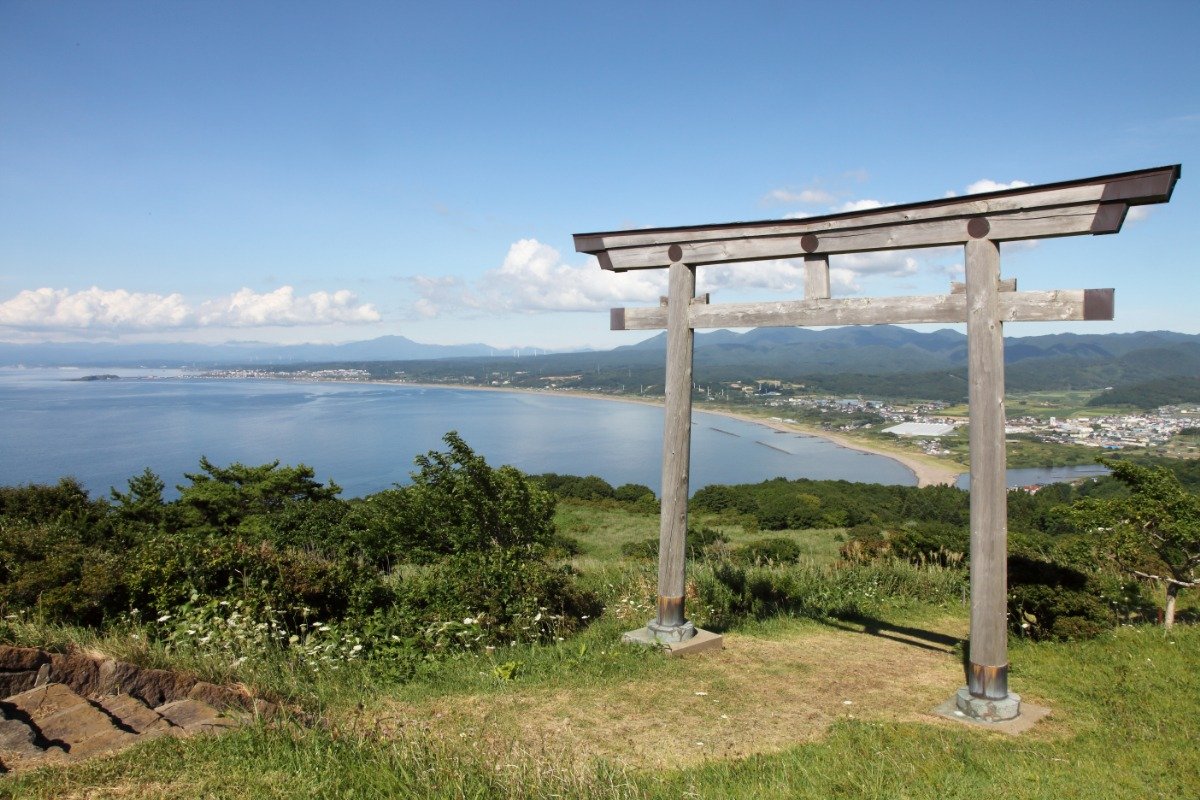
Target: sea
pixel 56 423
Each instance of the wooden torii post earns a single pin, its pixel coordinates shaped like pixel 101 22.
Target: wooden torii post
pixel 978 223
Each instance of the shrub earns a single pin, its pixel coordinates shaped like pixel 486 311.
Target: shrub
pixel 864 543
pixel 700 542
pixel 768 550
pixel 500 596
pixel 932 543
pixel 1052 601
pixel 633 493
pixel 458 504
pixel 52 574
pixel 170 569
pixel 589 487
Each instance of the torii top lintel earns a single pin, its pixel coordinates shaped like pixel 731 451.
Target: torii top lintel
pixel 1091 205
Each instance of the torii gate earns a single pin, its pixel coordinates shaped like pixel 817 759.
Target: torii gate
pixel 979 223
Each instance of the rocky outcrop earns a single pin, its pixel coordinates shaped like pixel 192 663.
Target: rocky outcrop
pixel 67 707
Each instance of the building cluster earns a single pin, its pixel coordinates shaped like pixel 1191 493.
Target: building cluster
pixel 1111 432
pixel 926 420
pixel 299 374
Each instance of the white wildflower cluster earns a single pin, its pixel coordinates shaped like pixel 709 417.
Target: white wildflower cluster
pixel 636 600
pixel 237 632
pixel 480 630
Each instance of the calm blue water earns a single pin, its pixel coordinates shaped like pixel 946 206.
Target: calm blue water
pixel 1040 476
pixel 365 437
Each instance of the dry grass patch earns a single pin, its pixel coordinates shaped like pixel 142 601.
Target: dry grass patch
pixel 758 696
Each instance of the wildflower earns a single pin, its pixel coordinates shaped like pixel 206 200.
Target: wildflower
pixel 164 618
pixel 468 621
pixel 356 648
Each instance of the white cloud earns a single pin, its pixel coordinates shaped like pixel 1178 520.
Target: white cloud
pixel 534 278
pixel 860 205
pixel 118 310
pixel 778 275
pixel 48 309
pixel 987 185
pixel 246 308
pixel 893 263
pixel 783 196
pixel 1137 213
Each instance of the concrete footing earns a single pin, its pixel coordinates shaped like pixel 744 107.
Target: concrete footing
pixel 985 709
pixel 703 641
pixel 1007 715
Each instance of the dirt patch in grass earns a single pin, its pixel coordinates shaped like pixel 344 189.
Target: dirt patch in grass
pixel 757 696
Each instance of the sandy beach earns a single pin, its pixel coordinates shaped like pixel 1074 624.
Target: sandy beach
pixel 928 474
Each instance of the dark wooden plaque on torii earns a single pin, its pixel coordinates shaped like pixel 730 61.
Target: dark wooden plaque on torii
pixel 979 223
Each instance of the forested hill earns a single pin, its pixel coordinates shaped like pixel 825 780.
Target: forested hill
pixel 886 361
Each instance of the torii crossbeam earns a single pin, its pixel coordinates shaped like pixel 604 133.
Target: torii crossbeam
pixel 978 223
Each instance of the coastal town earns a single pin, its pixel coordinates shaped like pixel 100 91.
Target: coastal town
pixel 929 421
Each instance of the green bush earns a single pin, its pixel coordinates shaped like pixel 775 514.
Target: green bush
pixel 633 493
pixel 1052 601
pixel 700 543
pixel 497 597
pixel 931 543
pixel 50 572
pixel 864 543
pixel 589 487
pixel 767 550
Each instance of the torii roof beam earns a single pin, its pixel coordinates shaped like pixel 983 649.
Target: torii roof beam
pixel 1092 205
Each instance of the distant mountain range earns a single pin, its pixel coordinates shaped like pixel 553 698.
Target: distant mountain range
pixel 241 353
pixel 884 349
pixel 882 359
pixel 879 360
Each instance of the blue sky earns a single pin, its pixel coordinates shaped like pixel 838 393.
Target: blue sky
pixel 299 171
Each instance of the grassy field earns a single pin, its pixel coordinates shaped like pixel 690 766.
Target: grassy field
pixel 804 708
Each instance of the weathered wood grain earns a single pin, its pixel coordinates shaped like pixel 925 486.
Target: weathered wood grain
pixel 1015 226
pixel 989 493
pixel 816 277
pixel 677 444
pixel 1006 285
pixel 1046 306
pixel 1093 205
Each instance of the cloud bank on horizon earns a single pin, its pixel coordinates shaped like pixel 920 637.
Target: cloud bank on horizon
pixel 118 310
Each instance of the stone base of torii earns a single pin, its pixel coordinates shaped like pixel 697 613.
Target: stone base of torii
pixel 979 224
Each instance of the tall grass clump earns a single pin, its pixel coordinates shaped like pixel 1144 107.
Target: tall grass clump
pixel 727 593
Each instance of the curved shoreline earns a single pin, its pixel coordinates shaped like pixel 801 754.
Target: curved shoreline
pixel 927 474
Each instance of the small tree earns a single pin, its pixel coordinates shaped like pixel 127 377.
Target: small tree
pixel 1152 533
pixel 225 496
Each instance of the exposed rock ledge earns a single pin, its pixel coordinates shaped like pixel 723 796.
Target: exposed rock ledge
pixel 59 708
